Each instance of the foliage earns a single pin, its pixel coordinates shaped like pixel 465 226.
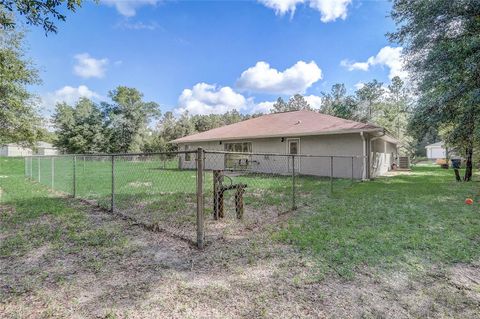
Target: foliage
pixel 369 98
pixel 127 119
pixel 80 128
pixel 295 103
pixel 19 120
pixel 441 41
pixel 394 111
pixel 36 12
pixel 338 103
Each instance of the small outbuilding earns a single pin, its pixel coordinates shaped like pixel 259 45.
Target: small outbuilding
pixel 436 151
pixel 14 150
pixel 44 148
pixel 297 132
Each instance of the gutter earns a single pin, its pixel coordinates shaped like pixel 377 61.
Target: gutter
pixel 370 144
pixel 285 134
pixel 365 168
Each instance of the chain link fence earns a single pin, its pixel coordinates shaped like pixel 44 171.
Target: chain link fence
pixel 197 195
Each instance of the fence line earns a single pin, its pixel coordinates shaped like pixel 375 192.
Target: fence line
pixel 192 194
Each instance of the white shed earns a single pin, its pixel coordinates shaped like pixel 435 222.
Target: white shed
pixel 44 148
pixel 13 150
pixel 436 150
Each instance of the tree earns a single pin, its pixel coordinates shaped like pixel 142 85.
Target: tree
pixel 36 12
pixel 19 119
pixel 440 44
pixel 394 113
pixel 369 100
pixel 80 129
pixel 338 103
pixel 295 103
pixel 127 119
pixel 279 106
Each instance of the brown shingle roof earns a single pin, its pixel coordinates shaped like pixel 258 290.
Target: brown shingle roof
pixel 296 123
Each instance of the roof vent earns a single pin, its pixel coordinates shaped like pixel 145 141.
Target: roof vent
pixel 298 122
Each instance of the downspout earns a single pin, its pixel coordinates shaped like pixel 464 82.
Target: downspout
pixel 370 144
pixel 364 159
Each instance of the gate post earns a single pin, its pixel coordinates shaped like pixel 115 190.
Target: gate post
pixel 112 199
pixel 294 204
pixel 38 161
pixel 74 176
pixel 200 216
pixel 331 174
pixel 53 172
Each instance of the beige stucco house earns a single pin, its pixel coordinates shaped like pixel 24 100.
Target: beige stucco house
pixel 297 132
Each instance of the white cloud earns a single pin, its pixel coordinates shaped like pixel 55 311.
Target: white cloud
pixel 359 85
pixel 387 56
pixel 206 98
pixel 262 107
pixel 315 101
pixel 138 25
pixel 89 67
pixel 282 6
pixel 330 10
pixel 69 95
pixel 296 79
pixel 128 8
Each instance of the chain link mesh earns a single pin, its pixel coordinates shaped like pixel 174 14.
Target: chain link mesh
pixel 241 191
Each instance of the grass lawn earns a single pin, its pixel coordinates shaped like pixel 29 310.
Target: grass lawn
pixel 403 246
pixel 408 219
pixel 156 192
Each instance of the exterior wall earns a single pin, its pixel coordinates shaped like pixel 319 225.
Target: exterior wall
pixel 436 152
pixel 383 154
pixel 322 145
pixel 14 150
pixel 46 151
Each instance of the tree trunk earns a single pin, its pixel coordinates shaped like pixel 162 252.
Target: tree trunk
pixel 469 165
pixel 457 175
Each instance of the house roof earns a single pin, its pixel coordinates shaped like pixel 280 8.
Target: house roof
pixel 44 145
pixel 296 123
pixel 438 144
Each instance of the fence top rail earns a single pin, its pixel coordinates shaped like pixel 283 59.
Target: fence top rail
pixel 115 154
pixel 284 155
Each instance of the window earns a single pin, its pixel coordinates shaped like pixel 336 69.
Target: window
pixel 238 161
pixel 188 156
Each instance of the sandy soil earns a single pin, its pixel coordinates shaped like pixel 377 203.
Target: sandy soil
pixel 242 275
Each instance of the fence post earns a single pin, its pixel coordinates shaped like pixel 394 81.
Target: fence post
pixel 200 216
pixel 294 205
pixel 53 172
pixel 352 170
pixel 112 204
pixel 38 161
pixel 331 174
pixel 74 176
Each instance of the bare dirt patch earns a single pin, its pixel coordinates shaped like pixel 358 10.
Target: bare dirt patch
pixel 237 276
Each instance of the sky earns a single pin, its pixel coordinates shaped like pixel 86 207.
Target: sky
pixel 213 56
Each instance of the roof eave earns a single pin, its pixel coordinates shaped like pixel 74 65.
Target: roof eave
pixel 179 141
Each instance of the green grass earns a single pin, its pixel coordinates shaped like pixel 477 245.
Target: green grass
pixel 156 191
pixel 30 217
pixel 408 219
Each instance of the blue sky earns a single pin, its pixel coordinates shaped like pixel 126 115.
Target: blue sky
pixel 212 56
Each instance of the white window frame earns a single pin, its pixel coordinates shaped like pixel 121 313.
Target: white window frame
pixel 248 157
pixel 299 151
